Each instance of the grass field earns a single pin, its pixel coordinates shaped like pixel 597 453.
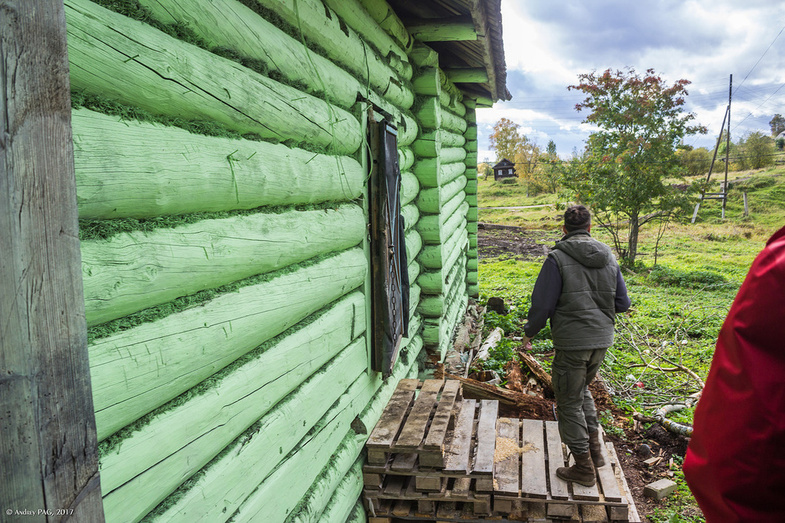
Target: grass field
pixel 679 303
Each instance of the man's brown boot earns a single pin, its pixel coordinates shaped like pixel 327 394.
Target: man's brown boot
pixel 595 448
pixel 582 472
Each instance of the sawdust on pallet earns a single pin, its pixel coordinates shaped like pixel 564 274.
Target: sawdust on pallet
pixel 505 448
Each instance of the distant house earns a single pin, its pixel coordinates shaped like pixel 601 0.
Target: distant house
pixel 504 169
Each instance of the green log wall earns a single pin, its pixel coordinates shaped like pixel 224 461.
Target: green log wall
pixel 220 169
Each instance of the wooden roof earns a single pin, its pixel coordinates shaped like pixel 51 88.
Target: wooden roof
pixel 484 52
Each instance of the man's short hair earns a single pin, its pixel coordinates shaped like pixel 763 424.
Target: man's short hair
pixel 577 217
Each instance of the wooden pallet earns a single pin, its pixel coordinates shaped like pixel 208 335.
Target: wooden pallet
pixel 413 431
pixel 436 457
pixel 528 452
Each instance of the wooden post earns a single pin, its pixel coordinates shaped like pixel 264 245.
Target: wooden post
pixel 48 444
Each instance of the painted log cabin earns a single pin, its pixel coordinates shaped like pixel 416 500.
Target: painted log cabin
pixel 277 216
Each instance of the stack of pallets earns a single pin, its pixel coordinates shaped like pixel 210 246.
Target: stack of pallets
pixel 434 456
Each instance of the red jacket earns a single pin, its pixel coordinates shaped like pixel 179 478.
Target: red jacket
pixel 735 462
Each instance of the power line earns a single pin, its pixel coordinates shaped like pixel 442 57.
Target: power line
pixel 761 58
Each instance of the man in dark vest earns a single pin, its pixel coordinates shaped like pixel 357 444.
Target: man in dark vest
pixel 580 289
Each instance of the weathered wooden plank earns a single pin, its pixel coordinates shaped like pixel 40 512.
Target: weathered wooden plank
pixel 48 452
pixel 555 460
pixel 608 483
pixel 429 113
pixel 533 472
pixel 507 458
pixel 389 424
pixel 486 437
pixel 583 492
pixel 404 461
pixel 593 514
pixel 139 369
pixel 411 215
pixel 628 511
pixel 441 420
pixel 413 430
pixel 137 270
pixel 431 172
pixel 413 244
pixel 459 451
pixel 405 158
pixel 453 122
pixel 134 63
pixel 126 168
pixel 174 444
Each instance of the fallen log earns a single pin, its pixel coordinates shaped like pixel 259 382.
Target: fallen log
pixel 490 342
pixel 534 366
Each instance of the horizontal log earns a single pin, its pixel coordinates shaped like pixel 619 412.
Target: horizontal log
pixel 472 227
pixel 249 468
pixel 229 24
pixel 436 228
pixel 471 146
pixel 471 75
pixel 471 158
pixel 173 445
pixel 410 187
pixel 410 215
pixel 473 289
pixel 429 115
pixel 471 172
pixel 448 29
pixel 471 187
pixel 405 158
pixel 423 56
pixel 407 129
pixel 137 270
pixel 135 64
pixel 432 173
pixel 413 244
pixel 431 200
pixel 136 370
pixel 428 82
pixel 453 104
pixel 355 15
pixel 343 468
pixel 471 199
pixel 431 306
pixel 430 144
pixel 453 122
pixel 452 154
pixel 471 133
pixel 473 242
pixel 343 506
pixel 471 214
pixel 344 46
pixel 126 168
pixel 388 20
pixel 471 264
pixel 471 278
pixel 435 256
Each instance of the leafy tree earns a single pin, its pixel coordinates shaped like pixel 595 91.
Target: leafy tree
pixel 510 143
pixel 777 124
pixel 757 151
pixel 640 123
pixel 695 161
pixel 547 176
pixel 483 169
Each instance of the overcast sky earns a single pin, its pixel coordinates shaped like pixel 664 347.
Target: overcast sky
pixel 548 43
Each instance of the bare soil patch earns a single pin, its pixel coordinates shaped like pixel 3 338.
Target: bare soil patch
pixel 494 241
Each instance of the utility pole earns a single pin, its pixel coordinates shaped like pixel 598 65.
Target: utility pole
pixel 723 194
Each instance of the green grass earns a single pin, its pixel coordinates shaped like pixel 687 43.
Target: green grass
pixel 679 303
